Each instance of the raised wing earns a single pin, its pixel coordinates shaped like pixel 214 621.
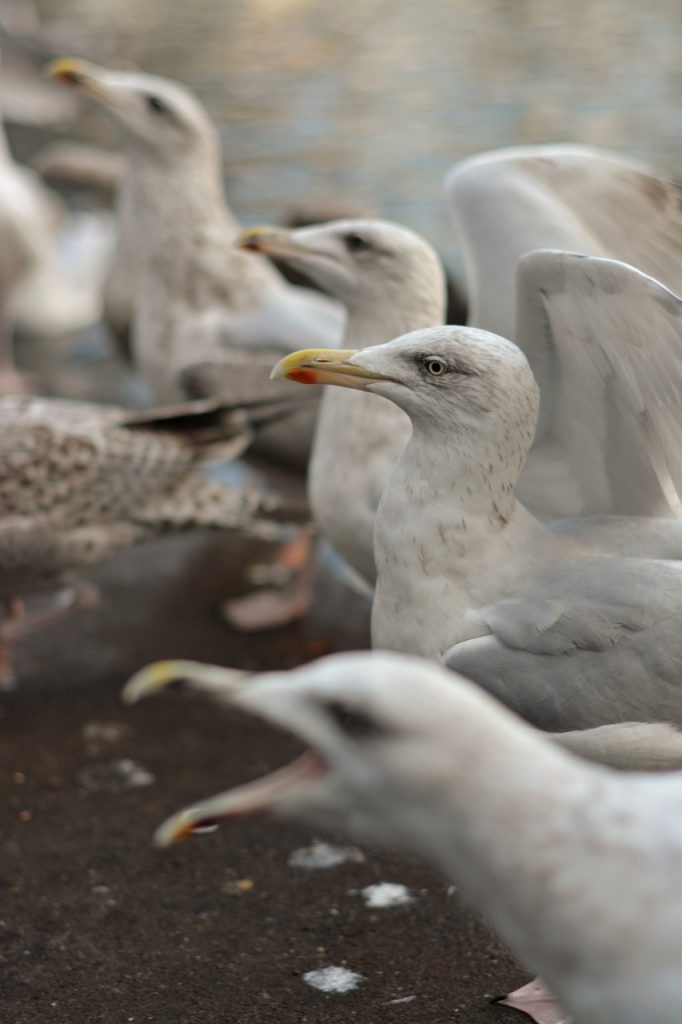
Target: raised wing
pixel 575 198
pixel 605 343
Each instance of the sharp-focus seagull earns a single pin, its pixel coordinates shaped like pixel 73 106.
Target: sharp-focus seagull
pixel 192 297
pixel 512 201
pixel 614 335
pixel 566 634
pixel 391 281
pixel 577 867
pixel 79 482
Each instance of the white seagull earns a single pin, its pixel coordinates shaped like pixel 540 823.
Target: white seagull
pixel 566 633
pixel 190 294
pixel 578 868
pixel 391 281
pixel 38 293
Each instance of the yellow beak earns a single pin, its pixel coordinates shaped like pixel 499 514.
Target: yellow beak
pixel 325 366
pixel 81 74
pixel 273 242
pixel 161 674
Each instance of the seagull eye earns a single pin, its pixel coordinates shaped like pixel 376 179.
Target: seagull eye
pixel 156 105
pixel 356 243
pixel 436 367
pixel 351 721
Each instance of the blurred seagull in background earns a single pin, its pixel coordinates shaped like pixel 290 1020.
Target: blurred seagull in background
pixel 189 294
pixel 391 281
pixel 39 294
pixel 79 482
pixel 195 302
pixel 578 868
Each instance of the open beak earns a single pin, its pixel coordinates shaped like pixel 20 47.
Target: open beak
pixel 255 797
pixel 82 75
pixel 326 366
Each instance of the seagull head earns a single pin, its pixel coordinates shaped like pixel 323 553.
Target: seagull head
pixel 376 732
pixel 441 376
pixel 157 117
pixel 362 262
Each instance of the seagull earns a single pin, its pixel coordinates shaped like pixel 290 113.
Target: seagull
pixel 577 867
pixel 192 295
pixel 614 334
pixel 195 301
pixel 568 634
pixel 80 482
pixel 578 199
pixel 37 294
pixel 391 281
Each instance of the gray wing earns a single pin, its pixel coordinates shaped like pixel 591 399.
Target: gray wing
pixel 605 342
pixel 576 198
pixel 244 377
pixel 599 644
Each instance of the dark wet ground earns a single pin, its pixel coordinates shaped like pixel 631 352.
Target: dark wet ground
pixel 98 926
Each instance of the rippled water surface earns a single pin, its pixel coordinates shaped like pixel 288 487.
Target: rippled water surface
pixel 372 100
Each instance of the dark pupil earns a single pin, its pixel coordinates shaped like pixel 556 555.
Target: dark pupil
pixel 352 722
pixel 435 366
pixel 155 104
pixel 356 242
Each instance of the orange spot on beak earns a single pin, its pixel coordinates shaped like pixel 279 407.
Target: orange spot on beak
pixel 302 376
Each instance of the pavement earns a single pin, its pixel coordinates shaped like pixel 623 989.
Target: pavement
pixel 99 926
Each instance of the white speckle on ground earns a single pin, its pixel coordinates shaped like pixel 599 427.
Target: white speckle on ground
pixel 98 735
pixel 104 732
pixel 124 773
pixel 338 980
pixel 401 999
pixel 384 895
pixel 320 855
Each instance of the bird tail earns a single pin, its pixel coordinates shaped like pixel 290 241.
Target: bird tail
pixel 636 746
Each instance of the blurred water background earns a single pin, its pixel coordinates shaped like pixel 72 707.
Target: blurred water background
pixel 373 100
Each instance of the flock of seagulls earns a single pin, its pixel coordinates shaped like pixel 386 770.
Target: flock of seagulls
pixel 509 490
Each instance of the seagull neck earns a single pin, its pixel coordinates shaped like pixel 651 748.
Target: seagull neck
pixel 189 194
pixel 470 478
pixel 446 519
pixel 513 816
pixel 379 322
